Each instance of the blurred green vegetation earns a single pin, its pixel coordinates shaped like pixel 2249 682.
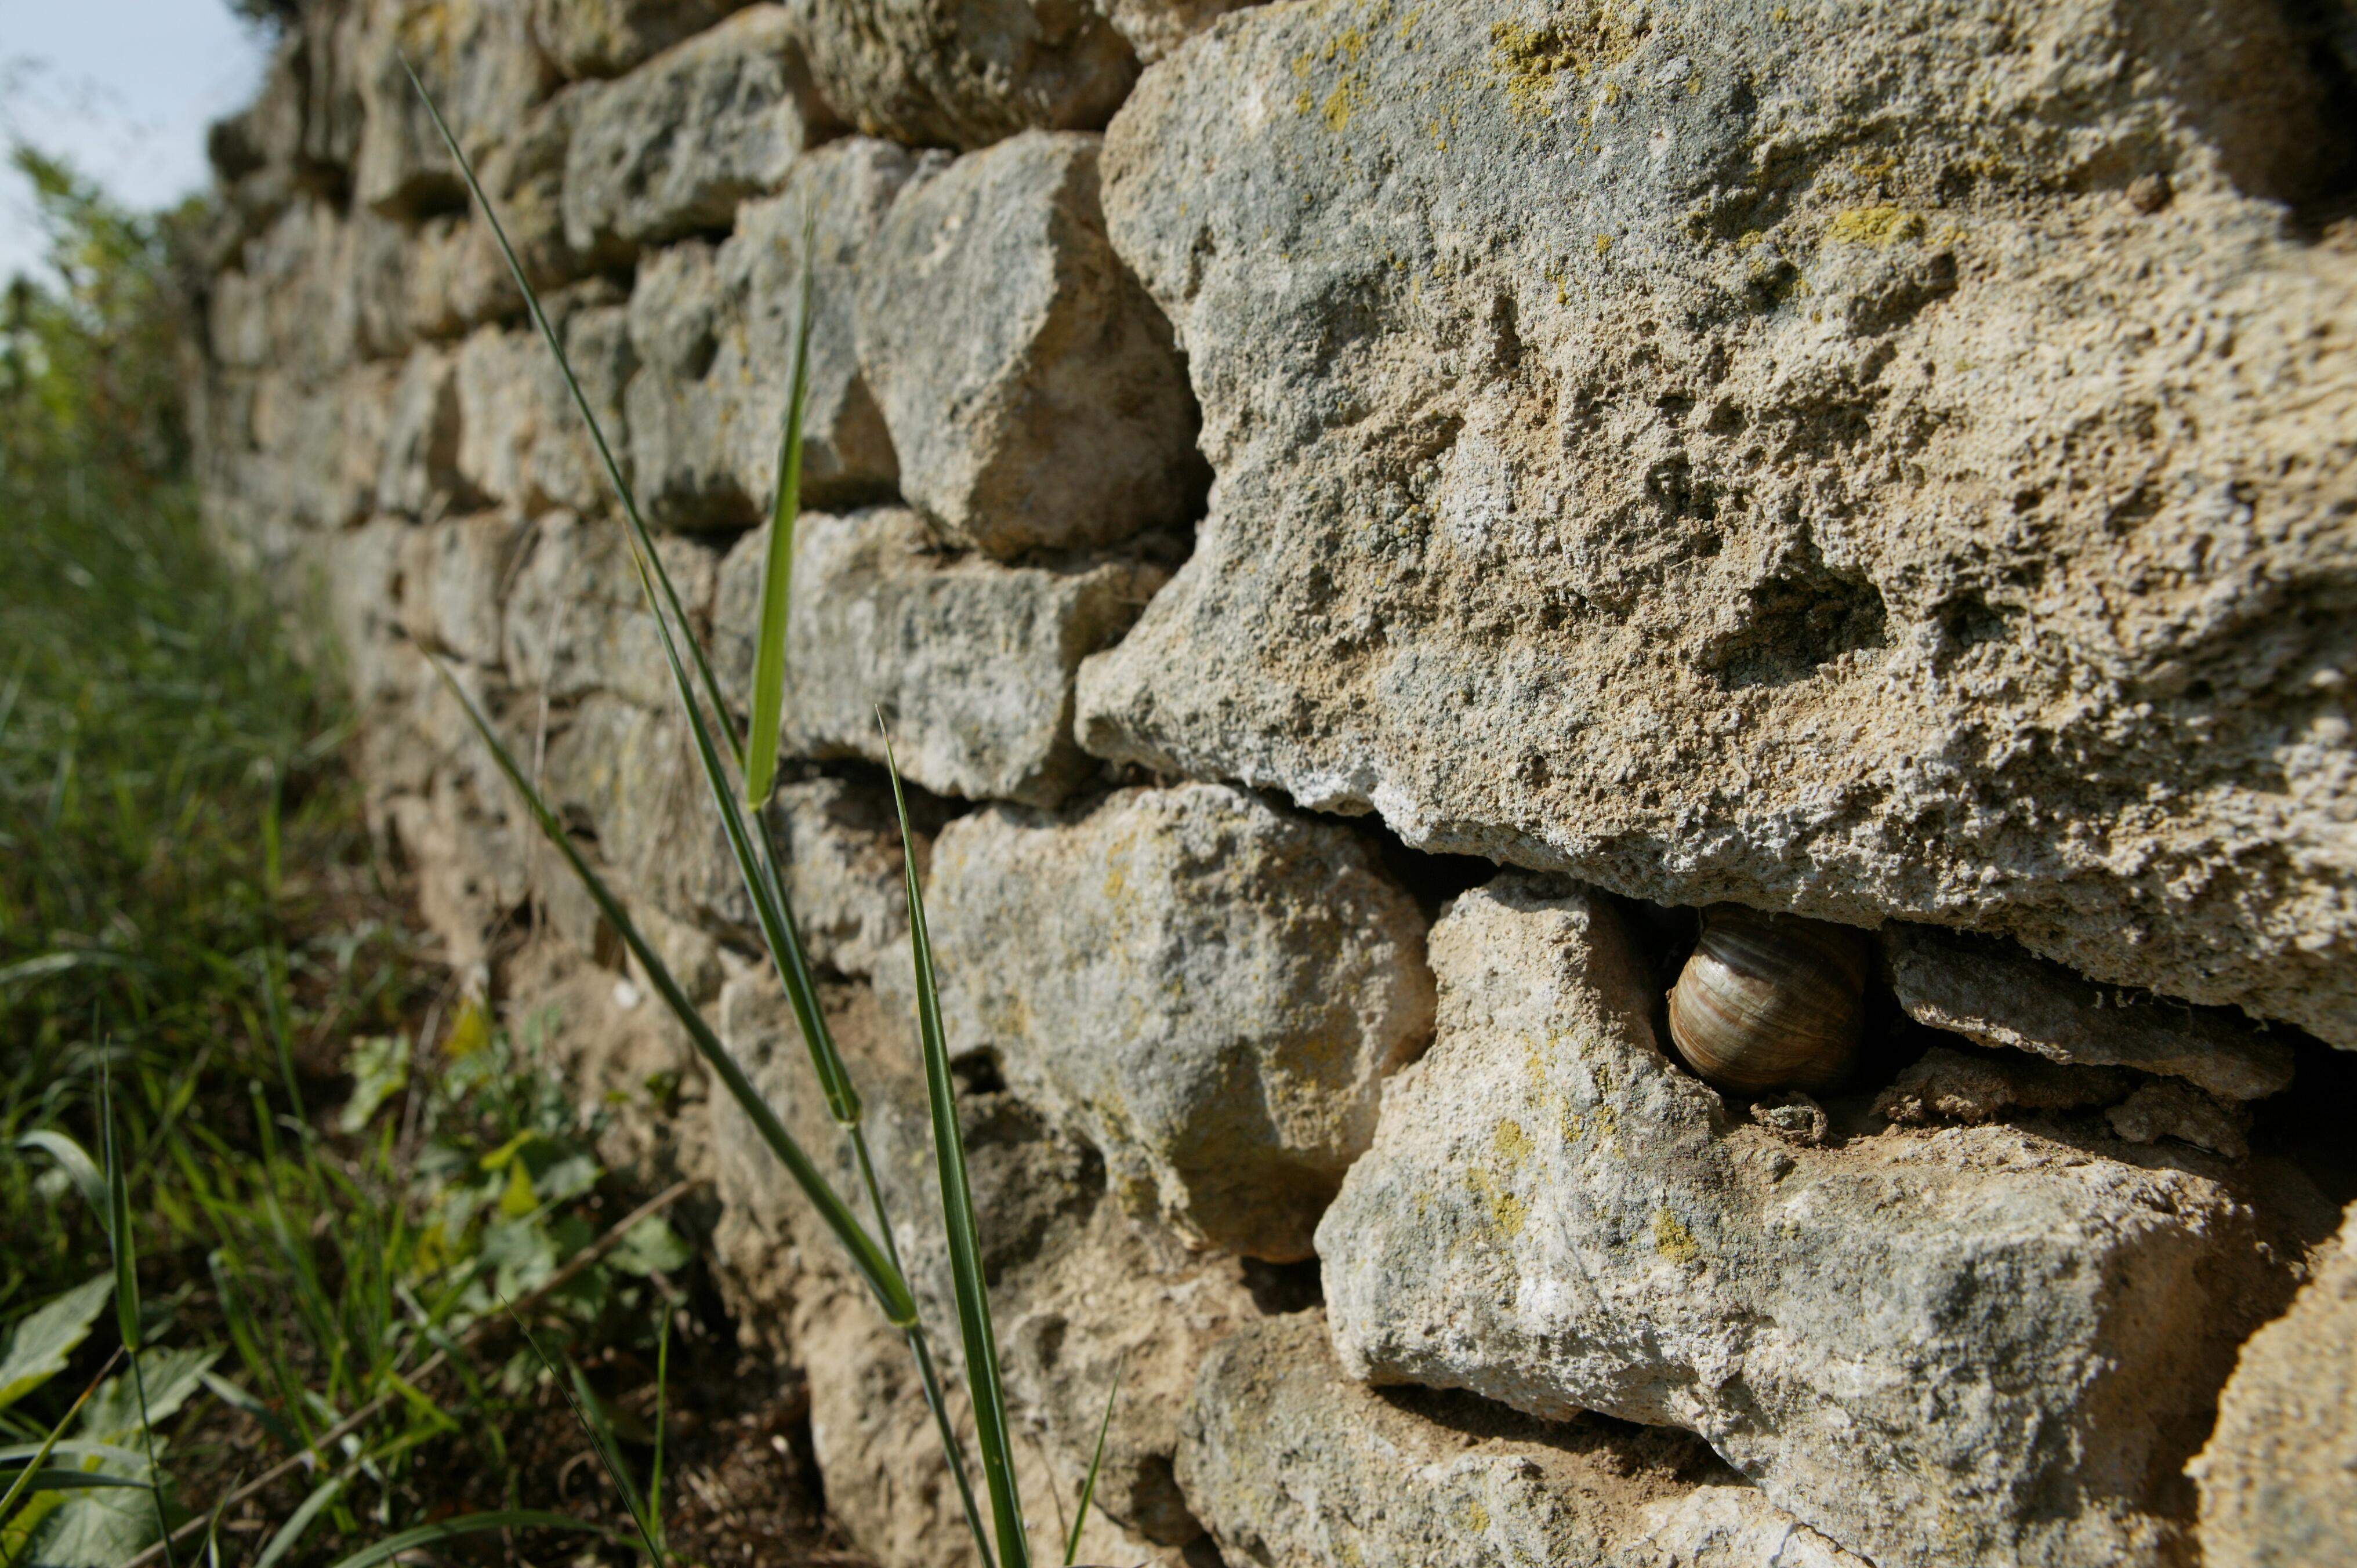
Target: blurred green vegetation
pixel 339 1171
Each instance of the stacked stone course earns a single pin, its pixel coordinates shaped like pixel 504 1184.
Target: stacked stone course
pixel 1893 463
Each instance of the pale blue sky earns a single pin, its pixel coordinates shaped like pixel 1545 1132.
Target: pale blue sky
pixel 125 89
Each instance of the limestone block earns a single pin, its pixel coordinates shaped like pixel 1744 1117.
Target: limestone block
pixel 606 37
pixel 1154 27
pixel 1211 990
pixel 1955 1085
pixel 522 439
pixel 319 452
pixel 575 621
pixel 680 431
pixel 841 847
pixel 454 575
pixel 845 188
pixel 478 60
pixel 362 571
pixel 2279 1476
pixel 1644 453
pixel 714 336
pixel 1289 1461
pixel 972 661
pixel 2161 1110
pixel 1996 994
pixel 943 74
pixel 293 302
pixel 1034 398
pixel 1077 1290
pixel 420 472
pixel 1954 1348
pixel 672 147
pixel 523 177
pixel 631 774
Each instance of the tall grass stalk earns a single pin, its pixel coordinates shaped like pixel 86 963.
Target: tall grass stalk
pixel 752 845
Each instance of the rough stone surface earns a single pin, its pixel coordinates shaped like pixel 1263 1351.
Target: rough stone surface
pixel 1292 1462
pixel 606 37
pixel 478 60
pixel 1154 27
pixel 420 474
pixel 1968 1346
pixel 522 441
pixel 1955 1086
pixel 672 147
pixel 964 73
pixel 577 621
pixel 2279 1477
pixel 1077 1292
pixel 1214 996
pixel 1995 995
pixel 841 847
pixel 972 661
pixel 454 575
pixel 2161 1110
pixel 1033 395
pixel 1759 453
pixel 714 331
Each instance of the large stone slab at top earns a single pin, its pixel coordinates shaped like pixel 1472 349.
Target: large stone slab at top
pixel 964 73
pixel 1862 460
pixel 1977 1345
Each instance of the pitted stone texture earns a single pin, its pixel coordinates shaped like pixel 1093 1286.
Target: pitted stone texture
pixel 2161 1110
pixel 717 333
pixel 454 575
pixel 420 475
pixel 842 851
pixel 1077 1291
pixel 1956 1085
pixel 846 187
pixel 606 37
pixel 1995 995
pixel 523 177
pixel 577 621
pixel 315 456
pixel 360 568
pixel 673 146
pixel 291 304
pixel 522 440
pixel 1292 1462
pixel 964 73
pixel 478 60
pixel 1754 452
pixel 1031 389
pixel 1210 989
pixel 1940 1349
pixel 2279 1477
pixel 631 775
pixel 971 660
pixel 1154 27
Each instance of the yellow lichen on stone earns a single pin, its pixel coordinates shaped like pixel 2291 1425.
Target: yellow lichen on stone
pixel 1476 1517
pixel 1348 97
pixel 1507 1212
pixel 1671 1240
pixel 1881 227
pixel 1513 1146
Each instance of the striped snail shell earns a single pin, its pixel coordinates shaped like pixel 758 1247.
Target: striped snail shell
pixel 1770 1001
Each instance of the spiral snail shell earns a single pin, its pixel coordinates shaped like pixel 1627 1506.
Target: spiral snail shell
pixel 1770 1001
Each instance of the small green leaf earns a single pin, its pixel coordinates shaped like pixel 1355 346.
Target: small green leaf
pixel 45 1336
pixel 650 1247
pixel 78 1167
pixel 380 1070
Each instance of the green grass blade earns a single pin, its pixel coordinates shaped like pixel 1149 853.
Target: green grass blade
pixel 930 1378
pixel 22 1487
pixel 778 568
pixel 1096 1463
pixel 75 1161
pixel 662 1412
pixel 891 1290
pixel 54 1480
pixel 118 1215
pixel 426 1535
pixel 983 1380
pixel 643 542
pixel 299 1523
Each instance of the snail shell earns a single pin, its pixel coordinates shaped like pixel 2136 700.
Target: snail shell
pixel 1769 1001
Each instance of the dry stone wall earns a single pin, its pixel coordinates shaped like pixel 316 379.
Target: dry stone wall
pixel 1364 517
